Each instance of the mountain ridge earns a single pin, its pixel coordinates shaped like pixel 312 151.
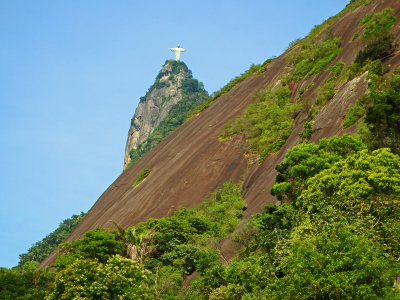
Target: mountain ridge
pixel 191 162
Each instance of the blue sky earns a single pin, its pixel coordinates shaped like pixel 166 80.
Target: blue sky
pixel 71 75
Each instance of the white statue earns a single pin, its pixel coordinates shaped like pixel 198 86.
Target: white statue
pixel 177 51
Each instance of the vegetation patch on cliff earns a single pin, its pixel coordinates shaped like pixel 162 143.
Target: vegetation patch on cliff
pixel 142 176
pixel 313 56
pixel 267 123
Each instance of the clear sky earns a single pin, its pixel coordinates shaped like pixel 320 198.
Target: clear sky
pixel 71 75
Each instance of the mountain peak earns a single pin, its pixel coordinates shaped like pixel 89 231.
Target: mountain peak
pixel 162 96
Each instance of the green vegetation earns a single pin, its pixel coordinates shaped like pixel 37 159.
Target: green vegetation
pixel 380 107
pixel 118 278
pixel 307 160
pixel 307 132
pixel 326 91
pixel 321 29
pixel 267 123
pixel 381 110
pixel 25 284
pixel 141 177
pixel 365 20
pixel 378 25
pixel 339 239
pixel 235 81
pixel 378 49
pixel 314 56
pixel 355 113
pixel 378 43
pixel 43 248
pixel 357 177
pixel 99 244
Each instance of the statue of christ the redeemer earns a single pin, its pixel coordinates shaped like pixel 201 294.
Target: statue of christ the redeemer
pixel 177 51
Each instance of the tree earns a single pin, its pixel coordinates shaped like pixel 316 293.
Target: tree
pixel 98 243
pixel 358 177
pixel 336 264
pixel 383 115
pixel 306 160
pixel 119 278
pixel 138 246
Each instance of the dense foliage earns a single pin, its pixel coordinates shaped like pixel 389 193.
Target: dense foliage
pixel 117 278
pixel 378 24
pixel 306 160
pixel 40 250
pixel 267 123
pixel 98 243
pixel 25 284
pixel 359 176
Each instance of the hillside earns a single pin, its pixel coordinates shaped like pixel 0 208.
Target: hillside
pixel 283 185
pixel 193 161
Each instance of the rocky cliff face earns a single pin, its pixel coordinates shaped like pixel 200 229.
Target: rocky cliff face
pixel 155 105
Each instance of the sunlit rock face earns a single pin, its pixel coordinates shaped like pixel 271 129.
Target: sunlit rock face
pixel 155 105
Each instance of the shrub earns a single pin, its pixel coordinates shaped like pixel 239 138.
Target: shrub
pixel 336 264
pixel 378 24
pixel 378 49
pixel 181 240
pixel 355 113
pixel 306 160
pixel 359 176
pixel 382 115
pixel 307 131
pixel 141 177
pixel 365 20
pixel 266 123
pixel 325 92
pixel 314 57
pixel 98 243
pixel 118 278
